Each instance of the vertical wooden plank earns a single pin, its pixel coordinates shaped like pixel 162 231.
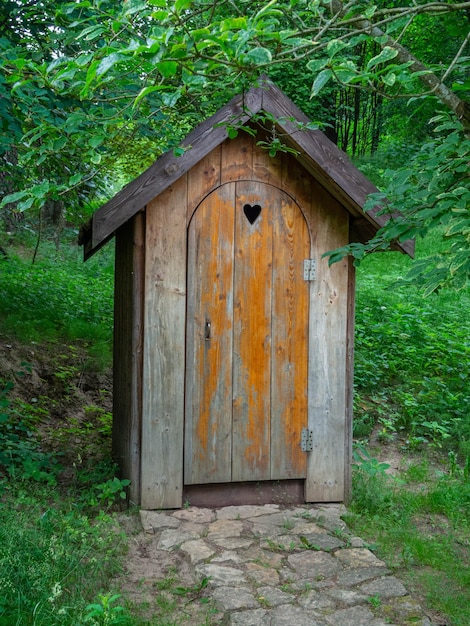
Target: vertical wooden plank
pixel 203 178
pixel 327 353
pixel 208 427
pixel 128 337
pixel 266 168
pixel 349 380
pixel 252 335
pixel 289 405
pixel 164 353
pixel 237 158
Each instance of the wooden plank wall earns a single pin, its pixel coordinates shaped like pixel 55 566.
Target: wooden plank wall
pixel 329 297
pixel 164 349
pixel 128 336
pixel 330 355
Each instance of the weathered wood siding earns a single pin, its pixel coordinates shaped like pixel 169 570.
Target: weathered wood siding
pixel 170 366
pixel 128 337
pixel 164 349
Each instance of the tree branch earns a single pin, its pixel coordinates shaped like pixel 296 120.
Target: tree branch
pixel 460 107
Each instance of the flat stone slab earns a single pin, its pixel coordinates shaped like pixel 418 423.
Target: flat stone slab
pixel 256 617
pixel 354 616
pixel 232 543
pixel 348 597
pixel 289 615
pixel 322 541
pixel 221 575
pixel 315 600
pixel 358 557
pixel 152 521
pixel 170 539
pixel 273 596
pixel 385 587
pixel 262 575
pixel 314 565
pixel 352 577
pixel 234 598
pixel 198 550
pixel 223 528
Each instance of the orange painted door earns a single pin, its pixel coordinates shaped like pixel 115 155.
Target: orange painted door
pixel 247 337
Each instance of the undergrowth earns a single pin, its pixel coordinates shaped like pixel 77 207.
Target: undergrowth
pixel 418 522
pixel 58 297
pixel 58 540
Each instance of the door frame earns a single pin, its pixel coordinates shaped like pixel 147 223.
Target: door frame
pixel 219 254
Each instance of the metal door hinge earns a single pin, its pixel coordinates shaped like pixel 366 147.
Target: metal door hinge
pixel 306 440
pixel 310 269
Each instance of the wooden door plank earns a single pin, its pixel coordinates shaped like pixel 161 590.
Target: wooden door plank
pixel 327 353
pixel 252 335
pixel 208 428
pixel 289 407
pixel 164 353
pixel 203 178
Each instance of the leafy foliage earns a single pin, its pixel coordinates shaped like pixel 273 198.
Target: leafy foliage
pixel 431 192
pixel 411 364
pixel 84 82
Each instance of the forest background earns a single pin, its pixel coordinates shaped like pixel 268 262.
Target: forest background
pixel 91 92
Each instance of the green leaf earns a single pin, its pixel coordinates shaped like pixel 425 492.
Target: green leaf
pixel 315 65
pixel 334 46
pixel 182 5
pixel 320 81
pixel 25 205
pixel 387 54
pixel 13 197
pixel 107 63
pixel 167 68
pixel 145 92
pixel 73 180
pixel 91 32
pixel 258 56
pixel 389 79
pixel 233 23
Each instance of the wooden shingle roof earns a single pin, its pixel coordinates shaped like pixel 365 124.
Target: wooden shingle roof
pixel 320 157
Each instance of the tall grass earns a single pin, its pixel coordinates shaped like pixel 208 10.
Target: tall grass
pixel 58 297
pixel 412 363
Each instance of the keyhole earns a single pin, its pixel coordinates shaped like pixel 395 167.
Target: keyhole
pixel 252 212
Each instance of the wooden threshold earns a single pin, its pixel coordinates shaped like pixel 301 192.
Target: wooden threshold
pixel 285 492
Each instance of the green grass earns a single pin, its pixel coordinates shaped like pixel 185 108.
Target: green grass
pixel 53 559
pixel 59 297
pixel 411 388
pixel 421 529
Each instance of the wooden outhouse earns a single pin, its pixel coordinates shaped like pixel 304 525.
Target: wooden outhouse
pixel 233 353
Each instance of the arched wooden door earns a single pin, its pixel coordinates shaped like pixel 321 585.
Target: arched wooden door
pixel 247 337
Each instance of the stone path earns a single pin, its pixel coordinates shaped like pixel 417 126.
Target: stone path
pixel 269 566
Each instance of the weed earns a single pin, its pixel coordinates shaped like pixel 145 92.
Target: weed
pixel 375 601
pixel 307 545
pixel 105 612
pixel 109 492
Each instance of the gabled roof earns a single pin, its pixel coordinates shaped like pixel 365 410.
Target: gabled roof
pixel 320 157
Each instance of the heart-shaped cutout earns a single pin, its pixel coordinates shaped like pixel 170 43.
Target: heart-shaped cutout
pixel 252 212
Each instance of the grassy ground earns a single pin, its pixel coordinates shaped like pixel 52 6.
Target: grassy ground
pixel 59 494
